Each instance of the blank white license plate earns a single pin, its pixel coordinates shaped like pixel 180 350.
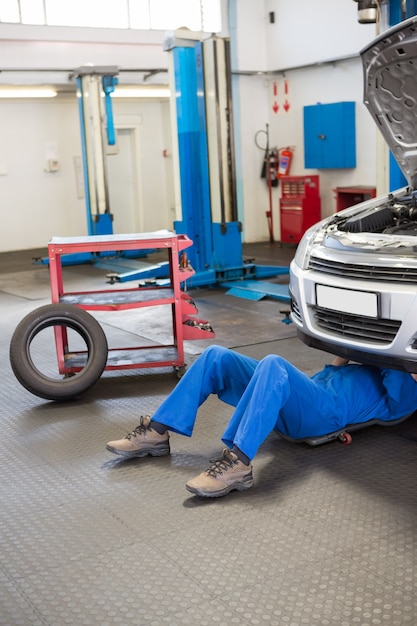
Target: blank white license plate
pixel 347 300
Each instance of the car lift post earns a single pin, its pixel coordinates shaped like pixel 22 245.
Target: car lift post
pixel 95 84
pixel 97 130
pixel 204 121
pixel 203 146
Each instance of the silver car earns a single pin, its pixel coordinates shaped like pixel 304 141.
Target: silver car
pixel 353 280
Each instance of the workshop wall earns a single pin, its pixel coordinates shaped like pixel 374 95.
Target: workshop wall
pixel 295 52
pixel 34 204
pixel 312 32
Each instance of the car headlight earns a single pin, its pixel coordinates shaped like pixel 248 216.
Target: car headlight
pixel 310 238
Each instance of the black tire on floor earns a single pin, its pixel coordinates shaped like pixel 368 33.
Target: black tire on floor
pixel 65 388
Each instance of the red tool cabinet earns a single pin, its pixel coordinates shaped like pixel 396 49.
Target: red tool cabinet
pixel 349 196
pixel 300 206
pixel 182 306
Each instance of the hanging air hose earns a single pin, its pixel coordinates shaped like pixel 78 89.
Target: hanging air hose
pixel 270 172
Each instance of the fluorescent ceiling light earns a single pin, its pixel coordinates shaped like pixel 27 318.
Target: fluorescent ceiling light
pixel 27 92
pixel 141 92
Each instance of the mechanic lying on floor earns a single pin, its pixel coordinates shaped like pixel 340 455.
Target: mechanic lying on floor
pixel 270 394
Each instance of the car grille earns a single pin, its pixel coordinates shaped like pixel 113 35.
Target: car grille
pixel 372 272
pixel 359 328
pixel 296 311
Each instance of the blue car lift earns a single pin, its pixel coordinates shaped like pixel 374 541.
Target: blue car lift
pixel 202 86
pixel 95 84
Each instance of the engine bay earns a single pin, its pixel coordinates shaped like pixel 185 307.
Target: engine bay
pixel 398 216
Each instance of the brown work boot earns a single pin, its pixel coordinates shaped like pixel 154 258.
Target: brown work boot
pixel 222 477
pixel 143 441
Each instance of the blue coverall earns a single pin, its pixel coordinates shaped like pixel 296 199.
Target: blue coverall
pixel 272 394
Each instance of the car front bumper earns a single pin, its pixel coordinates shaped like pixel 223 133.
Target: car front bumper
pixel 386 337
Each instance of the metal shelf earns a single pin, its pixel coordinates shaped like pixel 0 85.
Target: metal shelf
pixel 184 327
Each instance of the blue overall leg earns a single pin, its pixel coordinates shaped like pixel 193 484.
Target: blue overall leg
pixel 216 371
pixel 282 398
pixel 270 395
pixel 258 390
pixel 275 384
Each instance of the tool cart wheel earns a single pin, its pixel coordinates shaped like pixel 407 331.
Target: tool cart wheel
pixel 180 371
pixel 345 438
pixel 34 358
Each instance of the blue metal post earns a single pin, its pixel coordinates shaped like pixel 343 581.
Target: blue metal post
pixel 395 12
pixel 109 83
pixel 90 228
pixel 193 156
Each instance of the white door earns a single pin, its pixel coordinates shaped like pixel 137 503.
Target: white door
pixel 123 184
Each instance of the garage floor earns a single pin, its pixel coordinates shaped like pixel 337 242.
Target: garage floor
pixel 327 536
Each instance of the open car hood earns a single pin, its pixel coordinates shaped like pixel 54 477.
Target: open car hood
pixel 390 91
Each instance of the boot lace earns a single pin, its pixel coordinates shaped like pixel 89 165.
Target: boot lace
pixel 221 465
pixel 140 429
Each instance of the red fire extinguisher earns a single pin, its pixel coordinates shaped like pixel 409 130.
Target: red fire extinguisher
pixel 284 161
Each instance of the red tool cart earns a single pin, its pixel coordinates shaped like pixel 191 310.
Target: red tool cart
pixel 300 206
pixel 79 368
pixel 183 327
